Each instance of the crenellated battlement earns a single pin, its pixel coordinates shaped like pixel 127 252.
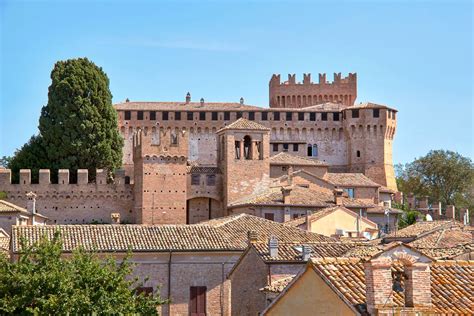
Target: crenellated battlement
pixel 351 78
pixel 161 142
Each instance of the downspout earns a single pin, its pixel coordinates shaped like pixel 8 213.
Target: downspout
pixel 169 284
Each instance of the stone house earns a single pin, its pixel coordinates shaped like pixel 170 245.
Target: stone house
pixel 11 214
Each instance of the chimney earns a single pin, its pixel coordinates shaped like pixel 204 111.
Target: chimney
pixel 286 192
pixel 241 101
pixel 127 100
pixel 273 246
pixel 464 213
pixel 202 101
pixel 31 203
pixel 306 252
pixel 338 196
pixel 115 218
pixel 450 212
pixel 308 221
pixel 188 98
pixel 378 284
pixel 252 237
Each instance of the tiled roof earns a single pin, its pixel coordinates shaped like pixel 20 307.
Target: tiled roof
pixel 235 229
pixel 284 158
pixel 419 228
pixel 451 283
pixel 183 106
pixel 123 237
pixel 326 107
pixel 7 207
pixel 4 241
pixel 291 252
pixel 202 169
pixel 384 189
pixel 369 105
pixel 350 179
pixel 299 196
pixel 277 286
pixel 244 124
pixel 381 210
pixel 444 238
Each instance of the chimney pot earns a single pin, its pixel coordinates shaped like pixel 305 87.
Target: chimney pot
pixel 273 246
pixel 252 237
pixel 31 203
pixel 286 192
pixel 306 252
pixel 188 97
pixel 202 101
pixel 338 193
pixel 115 218
pixel 241 100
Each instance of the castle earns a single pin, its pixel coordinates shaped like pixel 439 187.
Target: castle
pixel 185 162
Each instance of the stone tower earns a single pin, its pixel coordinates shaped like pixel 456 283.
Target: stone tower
pixel 160 177
pixel 292 94
pixel 243 157
pixel 370 129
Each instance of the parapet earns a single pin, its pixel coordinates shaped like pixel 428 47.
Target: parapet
pixel 338 79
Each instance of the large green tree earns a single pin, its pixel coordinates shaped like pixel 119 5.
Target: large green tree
pixel 444 176
pixel 43 282
pixel 78 126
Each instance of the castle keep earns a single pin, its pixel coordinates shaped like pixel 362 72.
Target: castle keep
pixel 185 162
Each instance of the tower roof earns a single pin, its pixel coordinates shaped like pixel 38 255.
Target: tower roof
pixel 244 124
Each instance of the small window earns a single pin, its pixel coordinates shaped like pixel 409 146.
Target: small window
pixel 295 147
pixel 152 116
pixel 310 150
pixel 174 138
pixel 239 115
pixel 270 216
pixel 275 147
pixel 358 154
pixel 190 116
pixel 128 115
pixel 211 180
pixel 140 115
pixel 214 116
pixel 264 116
pixel 195 179
pixel 165 116
pixel 226 116
pixel 289 116
pixel 324 116
pixel 350 192
pixel 376 112
pixel 127 180
pixel 285 147
pixel 312 116
pixel 335 116
pixel 197 301
pixel 202 116
pixel 315 150
pixel 300 116
pixel 355 113
pixel 252 116
pixel 177 116
pixel 276 116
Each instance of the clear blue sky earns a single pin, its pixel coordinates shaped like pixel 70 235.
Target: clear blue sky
pixel 413 55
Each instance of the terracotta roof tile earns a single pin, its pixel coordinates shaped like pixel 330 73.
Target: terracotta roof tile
pixel 369 105
pixel 183 106
pixel 202 169
pixel 326 107
pixel 7 207
pixel 244 124
pixel 350 179
pixel 284 158
pixel 277 286
pixel 419 228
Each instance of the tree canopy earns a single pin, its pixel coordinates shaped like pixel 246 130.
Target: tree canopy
pixel 43 282
pixel 444 176
pixel 78 125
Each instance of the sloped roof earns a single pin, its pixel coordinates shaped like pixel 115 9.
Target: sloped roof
pixel 350 179
pixel 244 124
pixel 418 228
pixel 183 106
pixel 381 210
pixel 7 207
pixel 451 283
pixel 4 241
pixel 326 107
pixel 202 169
pixel 369 105
pixel 284 158
pixel 278 286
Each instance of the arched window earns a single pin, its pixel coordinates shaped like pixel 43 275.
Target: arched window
pixel 247 147
pixel 315 150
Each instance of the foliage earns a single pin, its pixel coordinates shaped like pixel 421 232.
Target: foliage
pixel 4 161
pixel 78 126
pixel 3 195
pixel 42 282
pixel 30 156
pixel 445 176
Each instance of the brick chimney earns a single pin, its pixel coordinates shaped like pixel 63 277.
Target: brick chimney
pixel 273 246
pixel 115 217
pixel 450 212
pixel 188 98
pixel 418 285
pixel 378 284
pixel 307 220
pixel 31 202
pixel 252 237
pixel 338 193
pixel 306 252
pixel 286 192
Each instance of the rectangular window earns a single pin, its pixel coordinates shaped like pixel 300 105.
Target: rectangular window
pixel 355 113
pixel 152 116
pixel 214 116
pixel 197 301
pixel 376 113
pixel 128 115
pixel 195 179
pixel 285 147
pixel 211 180
pixel 300 116
pixel 324 116
pixel 289 116
pixel 202 116
pixel 335 116
pixel 275 147
pixel 312 116
pixel 295 147
pixel 177 116
pixel 164 116
pixel 270 216
pixel 226 116
pixel 350 192
pixel 140 115
pixel 252 116
pixel 264 116
pixel 276 116
pixel 190 116
pixel 239 115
